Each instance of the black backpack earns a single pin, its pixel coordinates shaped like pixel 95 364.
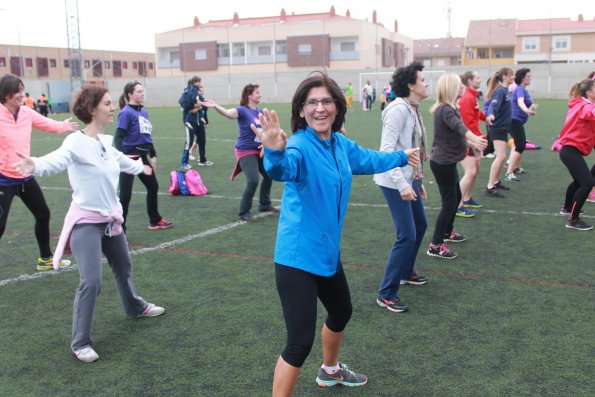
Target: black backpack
pixel 187 100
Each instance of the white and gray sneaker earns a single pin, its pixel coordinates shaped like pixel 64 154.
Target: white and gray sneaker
pixel 86 354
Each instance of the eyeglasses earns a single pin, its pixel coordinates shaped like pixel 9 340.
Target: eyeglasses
pixel 328 101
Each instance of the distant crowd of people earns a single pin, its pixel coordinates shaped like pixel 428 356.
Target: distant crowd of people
pixel 315 163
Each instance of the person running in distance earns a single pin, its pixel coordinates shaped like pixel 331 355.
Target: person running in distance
pixel 316 164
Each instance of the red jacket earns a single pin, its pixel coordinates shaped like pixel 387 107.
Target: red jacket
pixel 470 112
pixel 579 128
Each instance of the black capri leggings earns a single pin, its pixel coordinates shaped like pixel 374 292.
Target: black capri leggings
pixel 517 130
pixel 582 179
pixel 299 291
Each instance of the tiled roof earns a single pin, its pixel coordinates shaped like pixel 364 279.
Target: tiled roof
pixel 554 25
pixel 438 47
pixel 491 33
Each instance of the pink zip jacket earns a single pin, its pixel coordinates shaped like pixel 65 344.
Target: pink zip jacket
pixel 15 135
pixel 579 128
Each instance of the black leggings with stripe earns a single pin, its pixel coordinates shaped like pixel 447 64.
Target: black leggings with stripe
pixel 582 179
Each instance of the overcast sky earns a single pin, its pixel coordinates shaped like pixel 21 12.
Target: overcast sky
pixel 130 25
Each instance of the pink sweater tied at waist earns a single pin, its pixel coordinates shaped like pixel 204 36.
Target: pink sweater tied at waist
pixel 77 215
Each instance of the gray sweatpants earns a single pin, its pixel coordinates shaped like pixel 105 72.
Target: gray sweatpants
pixel 87 242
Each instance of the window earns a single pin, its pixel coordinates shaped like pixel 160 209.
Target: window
pixel 238 49
pixel 174 56
pixel 134 65
pixel 200 54
pixel 106 64
pixel 2 61
pixel 29 62
pixel 500 53
pixel 482 53
pixel 530 44
pixel 470 54
pixel 264 50
pixel 124 64
pixel 117 70
pixel 52 63
pixel 223 50
pixel 150 65
pixel 67 63
pixel 281 47
pixel 348 46
pixel 561 43
pixel 87 64
pixel 305 49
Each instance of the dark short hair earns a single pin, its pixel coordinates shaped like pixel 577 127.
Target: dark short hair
pixel 520 75
pixel 404 76
pixel 10 85
pixel 467 77
pixel 246 92
pixel 88 99
pixel 194 79
pixel 319 79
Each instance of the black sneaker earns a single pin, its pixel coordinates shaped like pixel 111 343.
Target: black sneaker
pixel 493 192
pixel 578 224
pixel 394 305
pixel 415 279
pixel 564 211
pixel 455 238
pixel 498 185
pixel 247 217
pixel 270 208
pixel 344 376
pixel 441 251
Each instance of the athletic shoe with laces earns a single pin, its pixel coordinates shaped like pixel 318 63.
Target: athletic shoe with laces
pixel 564 211
pixel 48 264
pixel 205 163
pixel 186 166
pixel 162 224
pixel 494 192
pixel 471 203
pixel 415 279
pixel 498 185
pixel 455 237
pixel 578 224
pixel 152 310
pixel 464 212
pixel 191 157
pixel 247 217
pixel 343 376
pixel 441 251
pixel 270 208
pixel 519 170
pixel 591 197
pixel 394 305
pixel 86 354
pixel 511 177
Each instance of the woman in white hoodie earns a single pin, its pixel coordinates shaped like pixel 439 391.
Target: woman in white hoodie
pixel 93 223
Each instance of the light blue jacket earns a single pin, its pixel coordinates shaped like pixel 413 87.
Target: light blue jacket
pixel 317 175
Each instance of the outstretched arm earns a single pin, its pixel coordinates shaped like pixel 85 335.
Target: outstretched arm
pixel 229 113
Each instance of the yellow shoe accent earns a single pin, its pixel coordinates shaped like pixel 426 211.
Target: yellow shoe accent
pixel 47 264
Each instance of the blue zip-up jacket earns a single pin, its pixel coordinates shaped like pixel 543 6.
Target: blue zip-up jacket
pixel 317 175
pixel 501 107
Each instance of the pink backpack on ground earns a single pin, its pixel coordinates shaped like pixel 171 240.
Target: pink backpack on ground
pixel 194 183
pixel 174 187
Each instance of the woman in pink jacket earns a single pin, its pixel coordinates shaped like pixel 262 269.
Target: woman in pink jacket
pixel 578 140
pixel 16 122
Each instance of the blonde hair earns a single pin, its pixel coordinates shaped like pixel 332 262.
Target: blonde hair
pixel 447 89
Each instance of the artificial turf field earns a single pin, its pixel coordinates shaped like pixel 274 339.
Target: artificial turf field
pixel 514 315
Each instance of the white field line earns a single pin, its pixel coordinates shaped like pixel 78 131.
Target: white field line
pixel 219 229
pixel 140 251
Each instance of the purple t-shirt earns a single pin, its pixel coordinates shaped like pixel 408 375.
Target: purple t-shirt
pixel 137 126
pixel 517 112
pixel 247 140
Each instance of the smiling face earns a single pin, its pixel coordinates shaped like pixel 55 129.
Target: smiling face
pixel 103 114
pixel 319 110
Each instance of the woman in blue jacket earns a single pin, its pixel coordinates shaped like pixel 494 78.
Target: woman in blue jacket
pixel 316 165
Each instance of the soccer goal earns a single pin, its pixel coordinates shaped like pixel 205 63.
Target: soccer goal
pixel 379 80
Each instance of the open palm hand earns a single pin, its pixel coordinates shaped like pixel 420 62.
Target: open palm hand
pixel 271 135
